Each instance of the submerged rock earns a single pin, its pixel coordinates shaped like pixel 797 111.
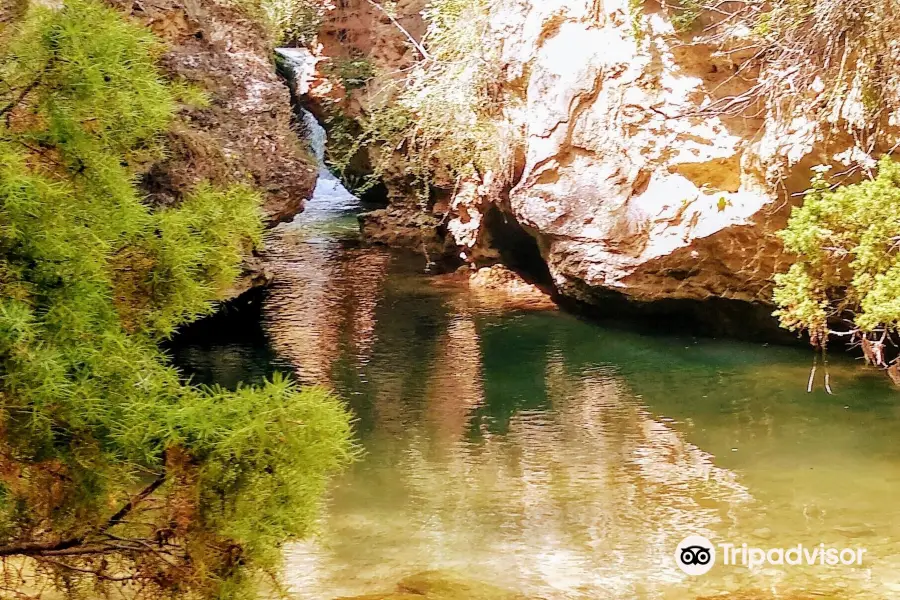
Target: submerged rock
pixel 443 585
pixel 495 287
pixel 499 285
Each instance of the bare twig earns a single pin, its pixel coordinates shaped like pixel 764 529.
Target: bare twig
pixel 78 544
pixel 402 29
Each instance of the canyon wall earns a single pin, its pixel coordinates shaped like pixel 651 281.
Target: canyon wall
pixel 635 176
pixel 245 134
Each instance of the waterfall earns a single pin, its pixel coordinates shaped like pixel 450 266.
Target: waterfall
pixel 315 135
pixel 330 198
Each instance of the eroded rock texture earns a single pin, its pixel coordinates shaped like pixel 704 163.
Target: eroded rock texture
pixel 626 186
pixel 245 134
pixel 641 173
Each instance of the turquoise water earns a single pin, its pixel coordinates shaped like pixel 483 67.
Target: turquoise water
pixel 559 457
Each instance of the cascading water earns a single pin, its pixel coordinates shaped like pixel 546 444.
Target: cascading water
pixel 330 198
pixel 315 135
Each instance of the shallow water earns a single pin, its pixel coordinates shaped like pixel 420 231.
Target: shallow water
pixel 558 457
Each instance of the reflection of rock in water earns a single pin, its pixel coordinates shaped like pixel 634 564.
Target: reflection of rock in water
pixel 585 499
pixel 324 296
pixel 455 383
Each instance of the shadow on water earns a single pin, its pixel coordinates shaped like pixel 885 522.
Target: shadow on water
pixel 229 347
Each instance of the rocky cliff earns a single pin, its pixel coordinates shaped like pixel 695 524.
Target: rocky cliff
pixel 245 134
pixel 626 185
pixel 636 177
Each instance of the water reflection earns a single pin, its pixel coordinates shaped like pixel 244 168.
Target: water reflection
pixel 322 303
pixel 455 383
pixel 584 497
pixel 566 460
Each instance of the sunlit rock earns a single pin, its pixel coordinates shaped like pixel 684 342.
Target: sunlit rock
pixel 500 286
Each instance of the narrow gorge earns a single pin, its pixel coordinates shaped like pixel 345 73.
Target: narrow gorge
pixel 449 299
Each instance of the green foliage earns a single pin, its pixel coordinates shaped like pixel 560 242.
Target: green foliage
pixel 289 22
pixel 352 73
pixel 441 120
pixel 848 265
pixel 298 20
pixel 686 14
pixel 635 13
pixel 91 279
pixel 190 94
pixel 344 138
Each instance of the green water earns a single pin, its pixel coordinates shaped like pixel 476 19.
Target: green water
pixel 562 458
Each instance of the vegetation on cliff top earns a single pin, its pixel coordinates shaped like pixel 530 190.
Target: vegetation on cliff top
pixel 439 123
pixel 835 62
pixel 113 471
pixel 289 22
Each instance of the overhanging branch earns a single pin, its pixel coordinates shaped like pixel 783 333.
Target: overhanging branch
pixel 79 544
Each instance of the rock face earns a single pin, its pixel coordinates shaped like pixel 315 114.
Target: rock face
pixel 627 186
pixel 245 134
pixel 643 180
pixel 631 187
pixel 357 28
pixel 400 226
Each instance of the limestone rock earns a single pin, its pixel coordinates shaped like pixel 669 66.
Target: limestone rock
pixel 402 226
pixel 629 185
pixel 623 191
pixel 498 285
pixel 245 135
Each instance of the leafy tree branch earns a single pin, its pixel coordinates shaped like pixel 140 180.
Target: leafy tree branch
pixel 208 483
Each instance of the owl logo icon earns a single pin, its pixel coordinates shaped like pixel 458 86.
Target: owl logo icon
pixel 695 555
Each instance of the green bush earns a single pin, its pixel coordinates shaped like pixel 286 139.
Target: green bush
pixel 440 123
pixel 848 266
pixel 112 468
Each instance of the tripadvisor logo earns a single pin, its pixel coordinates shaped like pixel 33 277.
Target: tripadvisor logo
pixel 696 555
